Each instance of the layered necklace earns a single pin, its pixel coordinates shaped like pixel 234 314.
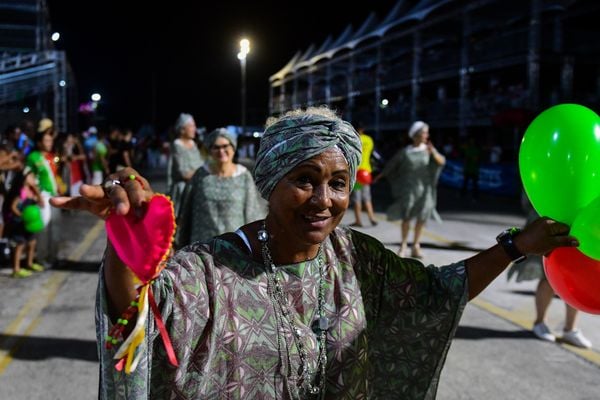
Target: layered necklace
pixel 299 375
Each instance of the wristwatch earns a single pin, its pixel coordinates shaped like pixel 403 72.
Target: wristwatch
pixel 505 239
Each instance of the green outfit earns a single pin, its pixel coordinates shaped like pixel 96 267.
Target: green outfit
pixel 214 205
pixel 100 152
pixel 413 175
pixel 391 324
pixel 42 170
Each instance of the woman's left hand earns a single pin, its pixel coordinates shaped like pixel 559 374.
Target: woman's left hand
pixel 544 235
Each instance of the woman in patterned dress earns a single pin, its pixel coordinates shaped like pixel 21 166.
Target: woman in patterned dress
pixel 294 306
pixel 220 197
pixel 184 159
pixel 413 174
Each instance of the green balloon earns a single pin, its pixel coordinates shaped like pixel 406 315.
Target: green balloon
pixel 357 186
pixel 32 218
pixel 559 161
pixel 586 228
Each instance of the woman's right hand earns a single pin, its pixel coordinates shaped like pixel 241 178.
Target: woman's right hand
pixel 101 199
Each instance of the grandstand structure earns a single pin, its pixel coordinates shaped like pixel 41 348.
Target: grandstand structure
pixel 482 67
pixel 36 80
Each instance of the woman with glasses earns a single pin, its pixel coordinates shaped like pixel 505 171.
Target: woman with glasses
pixel 220 197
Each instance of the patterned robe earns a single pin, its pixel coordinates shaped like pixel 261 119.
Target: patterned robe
pixel 182 160
pixel 413 175
pixel 214 205
pixel 391 324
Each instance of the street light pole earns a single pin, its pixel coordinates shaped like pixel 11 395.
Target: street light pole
pixel 244 50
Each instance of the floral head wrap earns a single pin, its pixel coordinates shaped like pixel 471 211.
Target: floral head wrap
pixel 217 133
pixel 297 138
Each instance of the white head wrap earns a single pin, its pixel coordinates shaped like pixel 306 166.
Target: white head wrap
pixel 182 120
pixel 416 127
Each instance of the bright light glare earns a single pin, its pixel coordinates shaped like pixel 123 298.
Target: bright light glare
pixel 25 110
pixel 385 102
pixel 62 83
pixel 55 36
pixel 245 45
pixel 96 97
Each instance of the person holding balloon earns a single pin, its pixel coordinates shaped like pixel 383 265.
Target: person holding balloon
pixel 361 193
pixel 559 165
pixel 413 174
pixel 532 268
pixel 22 211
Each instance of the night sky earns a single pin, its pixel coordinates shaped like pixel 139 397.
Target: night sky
pixel 187 52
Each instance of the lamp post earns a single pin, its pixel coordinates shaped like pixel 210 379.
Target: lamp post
pixel 244 50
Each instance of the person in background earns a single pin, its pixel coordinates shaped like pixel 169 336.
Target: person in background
pixel 532 268
pixel 293 306
pixel 184 159
pixel 362 195
pixel 73 167
pixel 23 193
pixel 413 174
pixel 115 135
pixel 220 197
pixel 43 162
pixel 10 163
pixel 99 159
pixel 24 141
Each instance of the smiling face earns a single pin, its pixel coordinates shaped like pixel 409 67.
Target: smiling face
pixel 309 202
pixel 222 151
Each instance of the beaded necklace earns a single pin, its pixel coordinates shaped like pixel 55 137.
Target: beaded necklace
pixel 300 375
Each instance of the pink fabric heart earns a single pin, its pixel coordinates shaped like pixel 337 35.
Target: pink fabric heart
pixel 143 243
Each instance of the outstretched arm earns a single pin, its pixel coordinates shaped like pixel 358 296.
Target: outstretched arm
pixel 120 198
pixel 540 237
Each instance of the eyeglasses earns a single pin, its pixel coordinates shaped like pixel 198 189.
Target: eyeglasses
pixel 215 147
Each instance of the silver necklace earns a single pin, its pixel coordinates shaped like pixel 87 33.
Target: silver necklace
pixel 298 378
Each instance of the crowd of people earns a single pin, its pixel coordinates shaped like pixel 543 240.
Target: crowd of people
pixel 38 162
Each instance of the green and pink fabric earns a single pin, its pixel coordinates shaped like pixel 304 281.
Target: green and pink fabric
pixel 43 171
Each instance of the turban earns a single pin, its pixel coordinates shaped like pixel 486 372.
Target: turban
pixel 415 128
pixel 217 133
pixel 182 121
pixel 294 139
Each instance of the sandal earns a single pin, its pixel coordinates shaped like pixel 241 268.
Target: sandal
pixel 35 267
pixel 402 251
pixel 416 253
pixel 21 273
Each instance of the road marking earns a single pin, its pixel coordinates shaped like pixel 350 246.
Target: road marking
pixel 87 241
pixel 30 314
pixel 523 319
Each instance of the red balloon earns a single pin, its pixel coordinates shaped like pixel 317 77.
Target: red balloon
pixel 575 277
pixel 363 177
